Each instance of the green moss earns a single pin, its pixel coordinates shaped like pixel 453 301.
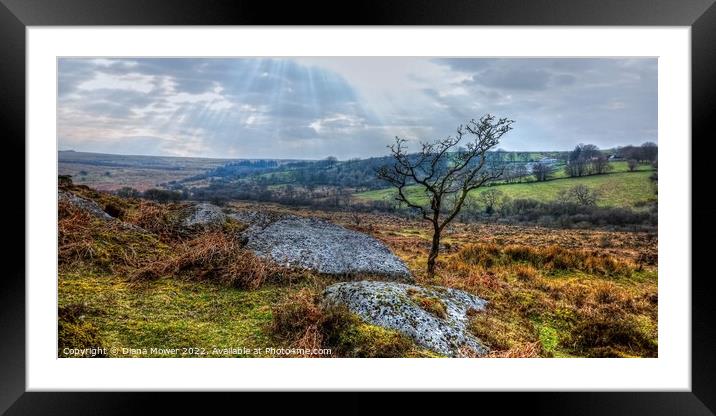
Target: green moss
pixel 232 226
pixel 549 339
pixel 168 313
pixel 76 333
pixel 370 341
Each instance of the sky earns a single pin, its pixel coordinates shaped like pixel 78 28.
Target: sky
pixel 347 107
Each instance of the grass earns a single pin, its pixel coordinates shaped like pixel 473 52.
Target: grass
pixel 170 313
pixel 557 293
pixel 429 303
pixel 164 293
pixel 617 189
pixel 550 293
pixel 525 259
pixel 215 256
pixel 568 302
pixel 300 321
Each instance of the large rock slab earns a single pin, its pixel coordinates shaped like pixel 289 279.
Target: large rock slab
pixel 441 326
pixel 325 247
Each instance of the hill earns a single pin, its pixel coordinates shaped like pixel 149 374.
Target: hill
pixel 616 189
pixel 135 282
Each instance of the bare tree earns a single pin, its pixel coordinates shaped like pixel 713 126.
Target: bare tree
pixel 446 170
pixel 520 172
pixel 542 171
pixel 490 198
pixel 584 195
pixel 600 164
pixel 649 152
pixel 632 164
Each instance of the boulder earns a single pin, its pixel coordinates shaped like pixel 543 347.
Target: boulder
pixel 435 318
pixel 203 215
pixel 94 209
pixel 256 218
pixel 319 245
pixel 84 204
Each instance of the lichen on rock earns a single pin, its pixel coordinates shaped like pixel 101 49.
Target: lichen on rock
pixel 397 306
pixel 83 203
pixel 203 215
pixel 322 246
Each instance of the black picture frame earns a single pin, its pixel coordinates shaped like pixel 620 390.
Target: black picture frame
pixel 700 15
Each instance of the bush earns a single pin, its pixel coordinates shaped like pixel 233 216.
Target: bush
pixel 128 192
pixel 162 196
pixel 569 213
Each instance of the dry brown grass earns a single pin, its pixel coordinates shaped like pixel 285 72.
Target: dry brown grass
pixel 107 244
pixel 212 256
pixel 551 258
pixel 157 218
pixel 550 292
pixel 527 350
pixel 297 319
pixel 301 322
pixel 429 303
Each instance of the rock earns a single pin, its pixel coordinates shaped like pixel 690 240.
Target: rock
pixel 84 204
pixel 203 215
pixel 256 218
pixel 95 209
pixel 325 247
pixel 400 307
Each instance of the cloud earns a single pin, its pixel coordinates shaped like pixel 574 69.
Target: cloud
pixel 345 106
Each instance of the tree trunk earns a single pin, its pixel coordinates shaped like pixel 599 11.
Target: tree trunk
pixel 434 250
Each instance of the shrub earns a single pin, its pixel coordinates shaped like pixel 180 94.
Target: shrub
pixel 162 196
pixel 128 192
pixel 568 212
pixel 295 316
pixel 64 181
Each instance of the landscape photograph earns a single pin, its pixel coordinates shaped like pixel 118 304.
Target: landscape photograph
pixel 357 207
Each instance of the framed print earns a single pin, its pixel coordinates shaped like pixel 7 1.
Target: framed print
pixel 433 198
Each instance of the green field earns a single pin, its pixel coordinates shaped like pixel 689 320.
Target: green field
pixel 616 189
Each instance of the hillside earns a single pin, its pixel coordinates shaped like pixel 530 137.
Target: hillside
pixel 135 281
pixel 616 189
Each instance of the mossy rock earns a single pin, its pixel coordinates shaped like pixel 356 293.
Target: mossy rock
pixel 433 319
